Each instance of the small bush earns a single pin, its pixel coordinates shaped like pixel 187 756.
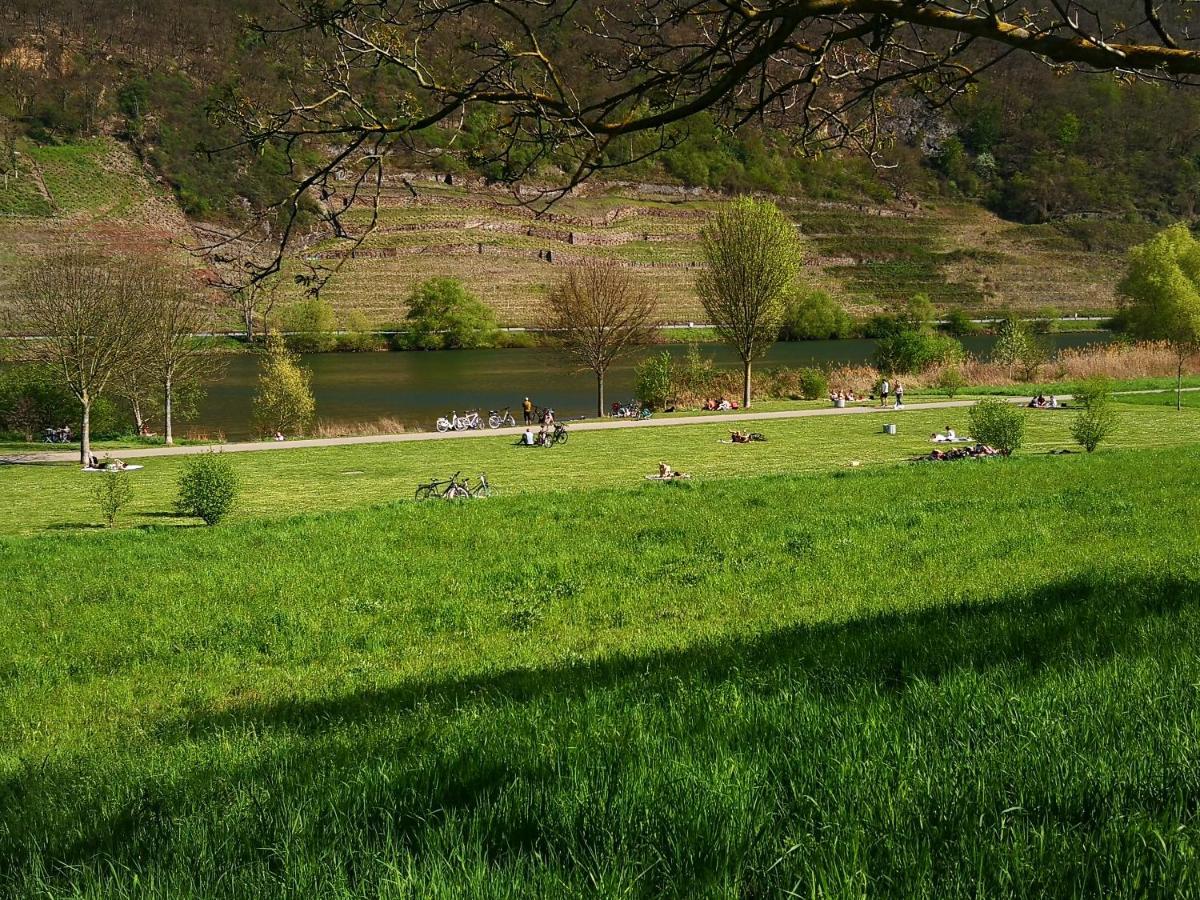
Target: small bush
pixel 910 351
pixel 655 380
pixel 113 493
pixel 207 488
pixel 998 424
pixel 1093 425
pixel 813 384
pixel 1093 392
pixel 950 381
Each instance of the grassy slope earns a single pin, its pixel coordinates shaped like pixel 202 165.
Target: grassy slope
pixel 284 482
pixel 938 680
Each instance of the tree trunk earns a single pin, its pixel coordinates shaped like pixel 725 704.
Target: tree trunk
pixel 600 395
pixel 138 421
pixel 248 318
pixel 85 432
pixel 167 436
pixel 746 384
pixel 1179 383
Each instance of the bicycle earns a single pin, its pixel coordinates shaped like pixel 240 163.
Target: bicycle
pixel 483 489
pixel 559 435
pixel 504 419
pixel 435 488
pixel 468 422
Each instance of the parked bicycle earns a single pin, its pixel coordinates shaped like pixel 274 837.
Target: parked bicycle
pixel 631 410
pixel 57 435
pixel 454 488
pixel 468 421
pixel 558 435
pixel 501 419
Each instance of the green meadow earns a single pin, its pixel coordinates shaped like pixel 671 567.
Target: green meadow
pixel 789 676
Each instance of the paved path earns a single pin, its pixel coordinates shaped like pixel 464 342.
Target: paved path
pixel 52 456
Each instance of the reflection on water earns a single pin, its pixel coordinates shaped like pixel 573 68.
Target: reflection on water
pixel 416 388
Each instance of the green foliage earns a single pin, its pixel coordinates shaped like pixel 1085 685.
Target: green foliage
pixel 908 351
pixel 813 315
pixel 32 399
pixel 998 424
pixel 310 326
pixel 957 323
pixel 814 384
pixel 950 381
pixel 284 402
pixel 1093 424
pixel 357 334
pixel 444 315
pixel 654 380
pixel 208 487
pixel 695 374
pixel 1093 392
pixel 112 492
pixel 752 256
pixel 919 311
pixel 1012 342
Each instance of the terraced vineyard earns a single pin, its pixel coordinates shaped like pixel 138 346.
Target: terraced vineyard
pixel 869 255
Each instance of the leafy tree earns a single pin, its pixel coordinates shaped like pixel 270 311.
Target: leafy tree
pixel 752 255
pixel 813 315
pixel 919 312
pixel 112 493
pixel 1162 291
pixel 908 351
pixel 357 334
pixel 655 380
pixel 998 424
pixel 177 358
pixel 600 313
pixel 1012 342
pixel 33 398
pixel 444 315
pixel 1093 392
pixel 284 402
pixel 208 487
pixel 310 326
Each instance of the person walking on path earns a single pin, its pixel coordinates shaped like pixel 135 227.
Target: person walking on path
pixel 899 395
pixel 527 409
pixel 884 387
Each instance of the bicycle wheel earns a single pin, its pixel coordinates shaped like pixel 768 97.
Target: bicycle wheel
pixel 424 492
pixel 560 435
pixel 460 424
pixel 494 422
pixel 443 425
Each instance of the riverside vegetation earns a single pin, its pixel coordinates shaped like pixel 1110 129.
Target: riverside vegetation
pixel 936 680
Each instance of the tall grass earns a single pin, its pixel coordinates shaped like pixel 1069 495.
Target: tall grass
pixel 959 680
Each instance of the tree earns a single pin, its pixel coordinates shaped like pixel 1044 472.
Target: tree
pixel 112 492
pixel 1162 291
pixel 654 381
pixel 444 315
pixel 998 424
pixel 310 325
pixel 86 317
pixel 176 352
pixel 284 402
pixel 752 255
pixel 600 313
pixel 813 315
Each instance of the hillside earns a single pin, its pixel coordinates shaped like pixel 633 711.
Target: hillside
pixel 869 254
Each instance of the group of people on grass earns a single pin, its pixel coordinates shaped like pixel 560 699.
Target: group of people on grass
pixel 718 403
pixel 844 397
pixel 977 450
pixel 1041 401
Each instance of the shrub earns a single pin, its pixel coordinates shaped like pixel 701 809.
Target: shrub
pixel 112 492
pixel 908 351
pixel 1093 424
pixel 1093 392
pixel 998 424
pixel 207 488
pixel 654 380
pixel 957 322
pixel 310 325
pixel 284 401
pixel 444 315
pixel 815 316
pixel 813 384
pixel 950 381
pixel 357 335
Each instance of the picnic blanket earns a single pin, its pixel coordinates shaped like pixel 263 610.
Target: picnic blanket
pixel 957 440
pixel 667 477
pixel 127 469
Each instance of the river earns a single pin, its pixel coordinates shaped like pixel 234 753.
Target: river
pixel 416 388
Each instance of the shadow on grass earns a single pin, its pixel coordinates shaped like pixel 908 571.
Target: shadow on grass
pixel 1075 622
pixel 1080 619
pixel 75 526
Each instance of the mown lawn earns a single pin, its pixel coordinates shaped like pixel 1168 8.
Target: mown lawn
pixel 285 482
pixel 973 679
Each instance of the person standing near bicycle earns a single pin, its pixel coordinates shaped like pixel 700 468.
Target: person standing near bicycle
pixel 527 409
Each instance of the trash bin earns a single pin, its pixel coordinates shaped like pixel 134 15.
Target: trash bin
pixel 889 429
pixel 840 403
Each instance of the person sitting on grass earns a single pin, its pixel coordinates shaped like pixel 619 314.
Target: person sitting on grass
pixel 666 472
pixel 527 438
pixel 739 437
pixel 724 404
